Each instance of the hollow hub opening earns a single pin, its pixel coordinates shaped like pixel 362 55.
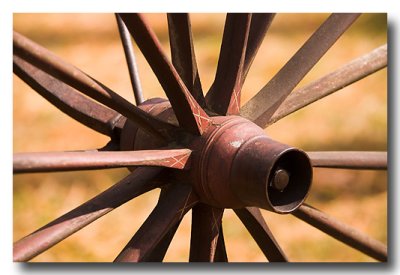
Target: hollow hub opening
pixel 234 164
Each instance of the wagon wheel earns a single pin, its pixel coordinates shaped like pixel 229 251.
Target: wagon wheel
pixel 205 153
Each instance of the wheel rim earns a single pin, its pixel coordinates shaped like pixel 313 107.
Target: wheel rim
pixel 191 127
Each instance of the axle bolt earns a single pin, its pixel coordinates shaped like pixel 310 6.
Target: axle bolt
pixel 280 180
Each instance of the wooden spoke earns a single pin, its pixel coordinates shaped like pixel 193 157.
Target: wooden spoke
pixel 342 232
pixel 175 201
pixel 259 26
pixel 68 100
pixel 349 160
pixel 137 183
pixel 55 66
pixel 112 145
pixel 224 94
pixel 206 224
pixel 188 112
pixel 220 252
pixel 264 104
pixel 75 161
pixel 333 82
pixel 214 126
pixel 182 53
pixel 130 60
pixel 159 251
pixel 255 224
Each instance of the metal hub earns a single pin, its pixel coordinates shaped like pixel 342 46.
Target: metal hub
pixel 280 179
pixel 203 163
pixel 234 164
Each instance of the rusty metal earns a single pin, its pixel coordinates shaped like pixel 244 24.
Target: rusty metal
pixel 259 26
pixel 280 180
pixel 189 113
pixel 233 163
pixel 75 161
pixel 342 232
pixel 159 251
pixel 65 98
pixel 130 60
pixel 175 201
pixel 349 159
pixel 252 218
pixel 262 106
pixel 351 72
pixel 137 183
pixel 134 138
pixel 55 66
pixel 220 252
pixel 224 94
pixel 183 55
pixel 206 225
pixel 246 161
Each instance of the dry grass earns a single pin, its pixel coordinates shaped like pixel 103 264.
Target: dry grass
pixel 354 118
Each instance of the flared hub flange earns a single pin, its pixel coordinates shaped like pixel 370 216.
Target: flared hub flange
pixel 234 164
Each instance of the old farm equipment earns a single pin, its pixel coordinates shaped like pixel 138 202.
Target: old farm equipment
pixel 205 152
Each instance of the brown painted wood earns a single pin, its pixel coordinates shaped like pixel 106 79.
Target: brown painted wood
pixel 188 112
pixel 137 183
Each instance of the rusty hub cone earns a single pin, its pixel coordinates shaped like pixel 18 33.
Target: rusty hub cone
pixel 234 164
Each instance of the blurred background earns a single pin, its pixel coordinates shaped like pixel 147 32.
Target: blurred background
pixel 353 119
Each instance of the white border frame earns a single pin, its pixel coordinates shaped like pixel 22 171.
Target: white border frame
pixel 8 7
